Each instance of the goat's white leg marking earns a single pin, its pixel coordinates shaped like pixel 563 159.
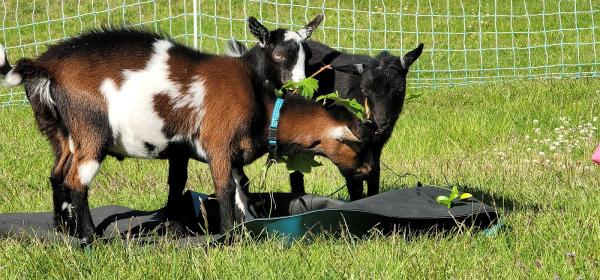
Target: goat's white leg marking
pixel 298 70
pixel 68 207
pixel 87 171
pixel 241 200
pixel 71 144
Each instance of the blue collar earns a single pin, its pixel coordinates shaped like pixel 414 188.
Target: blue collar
pixel 273 127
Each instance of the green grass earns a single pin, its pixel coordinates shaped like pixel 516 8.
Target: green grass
pixel 473 136
pixel 446 137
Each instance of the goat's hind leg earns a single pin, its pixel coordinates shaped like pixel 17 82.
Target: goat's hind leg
pixel 61 195
pixel 85 163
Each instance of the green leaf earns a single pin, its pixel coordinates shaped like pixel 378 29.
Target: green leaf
pixel 351 104
pixel 454 193
pixel 290 85
pixel 465 196
pixel 303 162
pixel 444 200
pixel 307 87
pixel 356 108
pixel 333 96
pixel 278 92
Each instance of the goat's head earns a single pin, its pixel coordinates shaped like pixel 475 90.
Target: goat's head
pixel 283 50
pixel 383 84
pixel 309 127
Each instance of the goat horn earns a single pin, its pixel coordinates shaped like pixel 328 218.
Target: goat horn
pixel 367 110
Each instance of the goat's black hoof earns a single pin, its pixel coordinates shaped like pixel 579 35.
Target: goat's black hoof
pixel 172 215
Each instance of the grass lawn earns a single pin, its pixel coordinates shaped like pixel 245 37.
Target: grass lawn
pixel 472 136
pixel 500 141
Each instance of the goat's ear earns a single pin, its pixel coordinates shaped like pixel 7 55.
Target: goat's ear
pixel 235 48
pixel 344 135
pixel 408 59
pixel 355 68
pixel 259 31
pixel 310 27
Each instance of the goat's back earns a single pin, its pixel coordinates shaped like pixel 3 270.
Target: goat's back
pixel 347 84
pixel 145 90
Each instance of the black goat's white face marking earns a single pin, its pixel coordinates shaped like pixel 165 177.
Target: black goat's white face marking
pixel 298 67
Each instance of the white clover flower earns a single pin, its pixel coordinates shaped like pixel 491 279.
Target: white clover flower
pixel 541 153
pixel 536 122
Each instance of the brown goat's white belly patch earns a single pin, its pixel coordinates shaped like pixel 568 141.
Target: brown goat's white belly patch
pixel 138 122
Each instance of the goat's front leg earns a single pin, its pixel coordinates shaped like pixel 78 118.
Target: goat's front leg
pixel 241 197
pixel 355 187
pixel 240 176
pixel 225 188
pixel 232 198
pixel 373 180
pixel 297 182
pixel 178 176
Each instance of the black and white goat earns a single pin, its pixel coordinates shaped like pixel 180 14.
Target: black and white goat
pixel 132 93
pixel 379 81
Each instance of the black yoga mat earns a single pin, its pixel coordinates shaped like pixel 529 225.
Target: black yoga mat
pixel 288 215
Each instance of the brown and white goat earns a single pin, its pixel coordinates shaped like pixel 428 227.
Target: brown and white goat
pixel 131 93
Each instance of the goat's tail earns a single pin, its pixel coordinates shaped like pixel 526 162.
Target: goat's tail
pixel 235 48
pixel 35 78
pixel 11 78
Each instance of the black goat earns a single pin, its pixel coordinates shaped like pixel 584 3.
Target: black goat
pixel 379 81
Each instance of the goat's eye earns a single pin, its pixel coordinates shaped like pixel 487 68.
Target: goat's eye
pixel 278 57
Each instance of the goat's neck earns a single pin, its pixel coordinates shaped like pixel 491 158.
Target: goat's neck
pixel 300 127
pixel 255 61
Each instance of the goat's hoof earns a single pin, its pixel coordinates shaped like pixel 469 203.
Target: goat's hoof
pixel 85 242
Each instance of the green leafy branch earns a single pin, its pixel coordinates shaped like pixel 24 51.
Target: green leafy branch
pixel 350 104
pixel 304 162
pixel 448 200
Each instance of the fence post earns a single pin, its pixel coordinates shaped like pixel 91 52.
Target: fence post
pixel 195 19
